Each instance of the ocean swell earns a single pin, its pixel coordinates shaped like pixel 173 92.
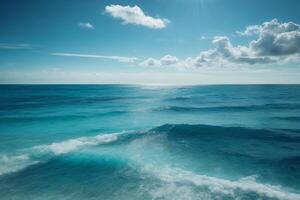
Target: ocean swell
pixel 162 158
pixel 228 108
pixel 40 153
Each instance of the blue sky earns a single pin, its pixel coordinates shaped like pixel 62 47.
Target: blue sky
pixel 150 42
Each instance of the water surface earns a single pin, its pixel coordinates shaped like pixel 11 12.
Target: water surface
pixel 149 142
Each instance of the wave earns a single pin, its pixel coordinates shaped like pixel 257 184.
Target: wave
pixel 33 102
pixel 213 187
pixel 74 144
pixel 230 108
pixel 158 180
pixel 180 98
pixel 195 132
pixel 290 118
pixel 45 117
pixel 174 182
pixel 37 154
pixel 9 164
pixel 192 134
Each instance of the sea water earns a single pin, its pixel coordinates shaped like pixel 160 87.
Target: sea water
pixel 118 142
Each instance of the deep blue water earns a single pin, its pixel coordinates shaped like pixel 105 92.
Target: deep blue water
pixel 149 142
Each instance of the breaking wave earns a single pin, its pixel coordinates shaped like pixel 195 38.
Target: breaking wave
pixel 154 169
pixel 36 154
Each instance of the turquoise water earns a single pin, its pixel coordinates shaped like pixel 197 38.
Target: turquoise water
pixel 149 142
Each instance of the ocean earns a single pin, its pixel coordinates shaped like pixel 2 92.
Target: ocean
pixel 127 142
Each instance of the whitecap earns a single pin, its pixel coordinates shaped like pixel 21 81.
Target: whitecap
pixel 178 179
pixel 15 163
pixel 34 155
pixel 74 144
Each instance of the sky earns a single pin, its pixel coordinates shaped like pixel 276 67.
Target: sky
pixel 150 42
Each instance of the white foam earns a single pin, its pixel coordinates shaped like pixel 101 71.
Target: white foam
pixel 216 186
pixel 74 144
pixel 34 155
pixel 10 164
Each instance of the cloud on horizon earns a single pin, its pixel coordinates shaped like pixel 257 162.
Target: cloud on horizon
pixel 275 43
pixel 135 15
pixel 164 61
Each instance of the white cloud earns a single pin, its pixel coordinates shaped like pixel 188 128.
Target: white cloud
pixel 275 43
pixel 250 30
pixel 277 39
pixel 117 58
pixel 168 60
pixel 274 38
pixel 164 61
pixel 86 25
pixel 135 15
pixel 149 62
pixel 225 53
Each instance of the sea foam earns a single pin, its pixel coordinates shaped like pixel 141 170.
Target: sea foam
pixel 179 179
pixel 74 144
pixel 34 155
pixel 14 163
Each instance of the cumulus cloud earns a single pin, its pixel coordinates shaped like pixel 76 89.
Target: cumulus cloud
pixel 135 15
pixel 164 61
pixel 250 30
pixel 277 39
pixel 168 60
pixel 275 42
pixel 117 58
pixel 149 62
pixel 225 53
pixel 86 25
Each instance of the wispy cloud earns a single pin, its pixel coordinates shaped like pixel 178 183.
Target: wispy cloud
pixel 86 25
pixel 14 46
pixel 122 59
pixel 135 15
